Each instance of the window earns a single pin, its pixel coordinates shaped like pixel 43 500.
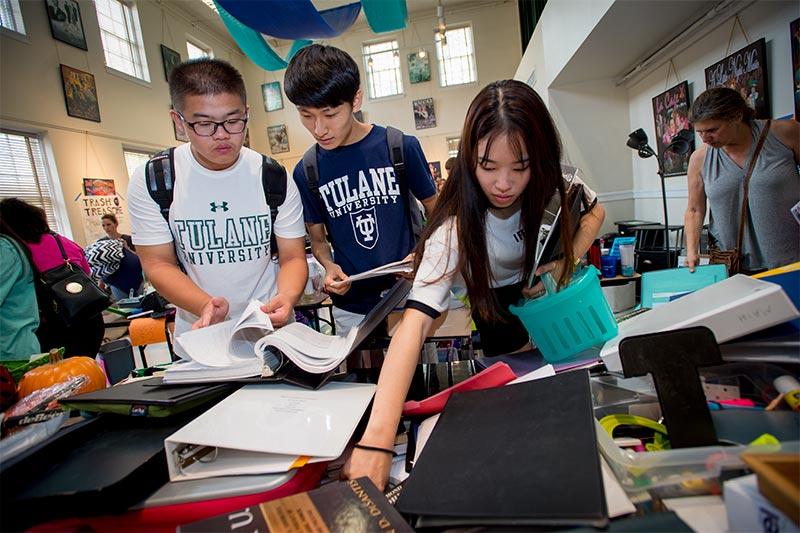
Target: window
pixel 134 159
pixel 452 146
pixel 382 63
pixel 122 37
pixel 10 16
pixel 198 50
pixel 23 173
pixel 455 55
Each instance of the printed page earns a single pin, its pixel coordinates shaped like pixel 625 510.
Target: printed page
pixel 309 349
pixel 397 267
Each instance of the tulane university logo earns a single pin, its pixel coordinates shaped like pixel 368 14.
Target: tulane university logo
pixel 365 227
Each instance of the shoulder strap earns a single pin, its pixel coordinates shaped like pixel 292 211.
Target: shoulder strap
pixel 159 175
pixel 60 246
pixel 394 138
pixel 311 169
pixel 748 174
pixel 273 180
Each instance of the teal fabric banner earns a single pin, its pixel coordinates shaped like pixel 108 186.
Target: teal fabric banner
pixel 385 15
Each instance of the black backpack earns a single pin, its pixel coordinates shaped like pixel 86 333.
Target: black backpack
pixel 394 138
pixel 159 175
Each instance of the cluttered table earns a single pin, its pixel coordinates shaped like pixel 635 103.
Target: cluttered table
pixel 647 431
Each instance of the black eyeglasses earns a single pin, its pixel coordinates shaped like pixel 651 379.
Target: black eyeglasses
pixel 207 128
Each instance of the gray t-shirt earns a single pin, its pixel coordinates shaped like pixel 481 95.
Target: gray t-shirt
pixel 771 235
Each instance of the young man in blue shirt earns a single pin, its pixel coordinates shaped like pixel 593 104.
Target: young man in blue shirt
pixel 358 198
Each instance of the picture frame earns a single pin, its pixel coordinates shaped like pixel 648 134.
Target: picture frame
pixel 66 24
pixel 424 113
pixel 671 115
pixel 746 72
pixel 80 94
pixel 169 58
pixel 99 187
pixel 273 99
pixel 278 139
pixel 794 37
pixel 419 67
pixel 436 170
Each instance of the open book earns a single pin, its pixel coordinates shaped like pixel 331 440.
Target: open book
pixel 250 347
pixel 398 267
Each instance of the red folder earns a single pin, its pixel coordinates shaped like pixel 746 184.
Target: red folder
pixel 496 375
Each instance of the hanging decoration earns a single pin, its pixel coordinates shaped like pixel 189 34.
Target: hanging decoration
pixel 300 21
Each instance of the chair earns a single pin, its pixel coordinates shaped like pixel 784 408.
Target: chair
pixel 147 330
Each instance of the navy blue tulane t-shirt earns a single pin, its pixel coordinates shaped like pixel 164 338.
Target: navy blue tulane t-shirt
pixel 365 208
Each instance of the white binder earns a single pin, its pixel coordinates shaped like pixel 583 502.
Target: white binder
pixel 730 308
pixel 267 428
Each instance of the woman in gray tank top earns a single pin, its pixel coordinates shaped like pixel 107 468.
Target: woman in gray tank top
pixel 716 173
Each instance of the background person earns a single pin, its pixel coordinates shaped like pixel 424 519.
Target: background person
pixel 110 224
pixel 716 172
pixel 19 312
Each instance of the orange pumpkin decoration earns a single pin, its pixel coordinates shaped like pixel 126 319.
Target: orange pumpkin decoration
pixel 58 370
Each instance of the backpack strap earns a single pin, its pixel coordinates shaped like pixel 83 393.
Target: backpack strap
pixel 159 175
pixel 394 138
pixel 311 169
pixel 273 180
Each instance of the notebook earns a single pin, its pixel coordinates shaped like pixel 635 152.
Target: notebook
pixel 522 455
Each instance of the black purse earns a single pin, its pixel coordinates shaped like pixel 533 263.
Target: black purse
pixel 70 294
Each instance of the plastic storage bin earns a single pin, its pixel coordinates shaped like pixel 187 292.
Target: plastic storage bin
pixel 571 320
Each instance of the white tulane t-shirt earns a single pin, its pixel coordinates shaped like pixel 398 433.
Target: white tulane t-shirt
pixel 505 245
pixel 221 224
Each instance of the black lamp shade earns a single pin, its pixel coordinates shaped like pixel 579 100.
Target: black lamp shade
pixel 637 139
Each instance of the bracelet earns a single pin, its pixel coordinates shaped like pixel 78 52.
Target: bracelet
pixel 376 449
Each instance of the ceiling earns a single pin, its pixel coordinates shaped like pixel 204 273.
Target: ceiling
pixel 628 33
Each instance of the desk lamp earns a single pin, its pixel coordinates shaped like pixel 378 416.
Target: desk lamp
pixel 680 144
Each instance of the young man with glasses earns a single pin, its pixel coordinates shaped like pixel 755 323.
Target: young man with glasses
pixel 215 253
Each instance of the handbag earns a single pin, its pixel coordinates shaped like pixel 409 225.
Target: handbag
pixel 70 294
pixel 732 258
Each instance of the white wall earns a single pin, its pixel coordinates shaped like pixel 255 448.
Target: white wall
pixel 135 114
pixel 495 26
pixel 766 18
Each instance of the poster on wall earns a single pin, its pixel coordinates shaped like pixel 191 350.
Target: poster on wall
pixel 436 170
pixel 65 22
pixel 424 115
pixel 278 139
pixel 671 115
pixel 80 94
pixel 273 100
pixel 170 58
pixel 99 198
pixel 794 31
pixel 419 67
pixel 744 71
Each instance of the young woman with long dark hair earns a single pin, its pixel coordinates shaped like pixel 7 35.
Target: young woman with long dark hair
pixel 484 230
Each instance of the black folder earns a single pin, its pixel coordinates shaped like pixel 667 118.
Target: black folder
pixel 521 455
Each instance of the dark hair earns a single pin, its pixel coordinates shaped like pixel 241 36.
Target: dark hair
pixel 204 76
pixel 449 164
pixel 513 109
pixel 24 221
pixel 110 216
pixel 720 103
pixel 321 76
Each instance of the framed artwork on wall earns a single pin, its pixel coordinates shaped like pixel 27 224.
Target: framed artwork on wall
pixel 745 71
pixel 278 139
pixel 419 67
pixel 80 94
pixel 99 187
pixel 671 115
pixel 436 170
pixel 169 58
pixel 65 22
pixel 794 37
pixel 424 114
pixel 273 100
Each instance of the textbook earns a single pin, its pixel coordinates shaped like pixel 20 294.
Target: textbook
pixel 398 267
pixel 354 505
pixel 250 347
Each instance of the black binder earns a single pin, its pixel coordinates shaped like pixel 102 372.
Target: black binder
pixel 520 455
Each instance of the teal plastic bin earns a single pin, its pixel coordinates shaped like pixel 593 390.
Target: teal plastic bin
pixel 569 321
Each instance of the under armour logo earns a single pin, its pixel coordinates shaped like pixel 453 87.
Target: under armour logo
pixel 214 206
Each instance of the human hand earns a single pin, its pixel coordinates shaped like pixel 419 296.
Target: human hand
pixel 556 268
pixel 408 275
pixel 692 260
pixel 336 281
pixel 279 309
pixel 373 464
pixel 214 311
